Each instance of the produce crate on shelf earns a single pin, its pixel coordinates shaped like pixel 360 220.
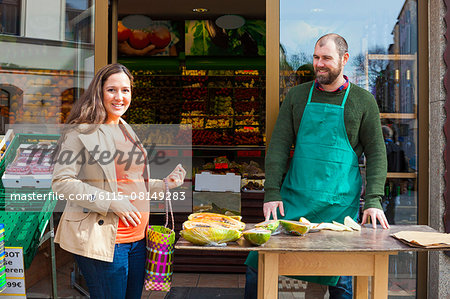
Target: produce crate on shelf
pixel 10 155
pixel 25 229
pixel 25 218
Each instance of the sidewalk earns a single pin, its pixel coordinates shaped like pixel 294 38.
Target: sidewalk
pixel 221 283
pixel 42 289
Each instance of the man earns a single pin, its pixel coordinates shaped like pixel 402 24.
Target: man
pixel 331 122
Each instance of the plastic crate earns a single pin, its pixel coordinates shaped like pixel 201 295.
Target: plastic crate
pixel 25 220
pixel 11 152
pixel 25 229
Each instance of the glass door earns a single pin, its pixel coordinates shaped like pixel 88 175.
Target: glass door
pixel 383 45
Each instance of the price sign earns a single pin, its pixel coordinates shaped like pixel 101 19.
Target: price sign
pixel 15 273
pixel 249 153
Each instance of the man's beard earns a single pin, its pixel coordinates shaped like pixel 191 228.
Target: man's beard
pixel 327 78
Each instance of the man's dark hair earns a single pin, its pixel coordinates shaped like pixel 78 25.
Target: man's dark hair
pixel 339 41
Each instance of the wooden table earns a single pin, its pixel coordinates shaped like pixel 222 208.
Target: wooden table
pixel 360 254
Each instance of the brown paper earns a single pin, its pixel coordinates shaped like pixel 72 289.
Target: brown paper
pixel 424 239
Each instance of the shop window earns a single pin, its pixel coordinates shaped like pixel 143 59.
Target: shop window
pixel 78 21
pixel 10 17
pixel 4 109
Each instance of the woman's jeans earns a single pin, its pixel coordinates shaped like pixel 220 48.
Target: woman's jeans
pixel 122 278
pixel 342 290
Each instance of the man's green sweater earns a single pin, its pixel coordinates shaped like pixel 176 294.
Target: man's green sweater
pixel 363 126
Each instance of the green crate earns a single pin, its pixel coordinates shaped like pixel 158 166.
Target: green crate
pixel 25 229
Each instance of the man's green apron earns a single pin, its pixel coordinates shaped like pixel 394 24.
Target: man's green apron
pixel 323 182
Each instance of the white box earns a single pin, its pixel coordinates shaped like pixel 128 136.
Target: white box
pixel 206 181
pixel 28 180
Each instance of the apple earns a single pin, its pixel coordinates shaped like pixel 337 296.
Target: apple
pixel 123 33
pixel 139 39
pixel 160 37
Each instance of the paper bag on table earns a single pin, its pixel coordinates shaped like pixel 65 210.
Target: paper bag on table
pixel 424 239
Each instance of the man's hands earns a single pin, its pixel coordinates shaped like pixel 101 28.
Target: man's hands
pixel 375 214
pixel 176 177
pixel 270 208
pixel 127 212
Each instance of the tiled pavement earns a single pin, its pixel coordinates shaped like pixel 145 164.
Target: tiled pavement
pixel 288 289
pixel 42 289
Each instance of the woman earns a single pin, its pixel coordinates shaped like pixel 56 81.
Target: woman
pixel 99 165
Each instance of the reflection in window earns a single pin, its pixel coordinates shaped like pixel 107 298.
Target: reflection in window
pixel 78 20
pixel 4 109
pixel 10 17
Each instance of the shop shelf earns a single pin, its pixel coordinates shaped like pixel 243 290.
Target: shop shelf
pixel 25 220
pixel 25 229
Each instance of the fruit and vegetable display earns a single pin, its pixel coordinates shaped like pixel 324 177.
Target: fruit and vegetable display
pixel 295 227
pixel 213 229
pixel 221 165
pixel 249 185
pixel 270 225
pixel 257 236
pixel 223 107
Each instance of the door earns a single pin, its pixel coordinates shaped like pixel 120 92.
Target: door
pixel 383 47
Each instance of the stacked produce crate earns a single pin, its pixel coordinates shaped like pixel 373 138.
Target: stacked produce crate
pixel 26 209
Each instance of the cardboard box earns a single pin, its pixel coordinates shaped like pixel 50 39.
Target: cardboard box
pixel 206 181
pixel 29 178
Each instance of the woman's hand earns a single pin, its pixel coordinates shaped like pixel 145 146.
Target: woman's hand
pixel 176 177
pixel 126 211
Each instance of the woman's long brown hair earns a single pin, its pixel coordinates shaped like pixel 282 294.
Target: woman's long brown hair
pixel 89 109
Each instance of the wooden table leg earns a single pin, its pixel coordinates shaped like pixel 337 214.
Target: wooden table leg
pixel 267 275
pixel 380 277
pixel 361 287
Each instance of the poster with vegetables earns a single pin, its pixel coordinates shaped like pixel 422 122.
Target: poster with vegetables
pixel 138 35
pixel 205 38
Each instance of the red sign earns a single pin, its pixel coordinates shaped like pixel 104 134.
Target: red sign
pixel 221 165
pixel 249 153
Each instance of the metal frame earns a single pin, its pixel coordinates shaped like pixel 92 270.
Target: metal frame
pixel 272 65
pixel 423 140
pixel 101 34
pixel 446 216
pixel 50 235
